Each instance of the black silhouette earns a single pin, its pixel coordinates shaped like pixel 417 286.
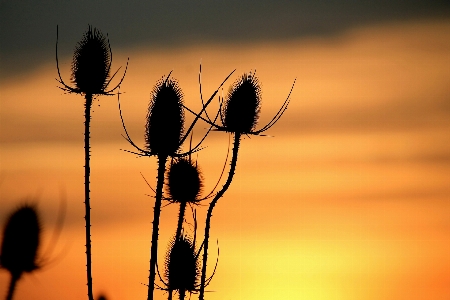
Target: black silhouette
pixel 163 136
pixel 239 116
pixel 21 239
pixel 91 67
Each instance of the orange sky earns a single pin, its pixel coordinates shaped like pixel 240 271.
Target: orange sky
pixel 349 198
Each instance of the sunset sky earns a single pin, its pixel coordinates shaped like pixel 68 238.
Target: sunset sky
pixel 348 197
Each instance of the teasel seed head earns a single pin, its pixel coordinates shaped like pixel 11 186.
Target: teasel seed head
pixel 242 105
pixel 182 267
pixel 184 181
pixel 21 237
pixel 165 118
pixel 91 63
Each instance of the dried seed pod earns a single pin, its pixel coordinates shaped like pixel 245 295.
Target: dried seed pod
pixel 21 237
pixel 182 267
pixel 165 118
pixel 91 63
pixel 242 105
pixel 185 181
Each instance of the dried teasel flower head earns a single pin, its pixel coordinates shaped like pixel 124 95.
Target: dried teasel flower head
pixel 185 182
pixel 91 63
pixel 21 237
pixel 165 118
pixel 182 267
pixel 242 105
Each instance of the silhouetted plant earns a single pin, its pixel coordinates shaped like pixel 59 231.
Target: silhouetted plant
pixel 185 183
pixel 239 116
pixel 91 67
pixel 182 270
pixel 164 137
pixel 21 238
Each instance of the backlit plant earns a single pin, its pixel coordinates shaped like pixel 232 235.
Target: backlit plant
pixel 19 249
pixel 91 66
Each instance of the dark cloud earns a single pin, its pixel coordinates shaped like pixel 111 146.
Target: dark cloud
pixel 28 28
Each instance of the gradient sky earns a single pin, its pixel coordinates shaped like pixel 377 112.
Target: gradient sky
pixel 348 198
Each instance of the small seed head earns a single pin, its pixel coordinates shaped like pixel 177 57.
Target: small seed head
pixel 242 105
pixel 21 236
pixel 184 181
pixel 182 267
pixel 165 118
pixel 91 63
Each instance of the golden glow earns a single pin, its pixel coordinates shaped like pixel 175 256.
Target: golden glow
pixel 348 198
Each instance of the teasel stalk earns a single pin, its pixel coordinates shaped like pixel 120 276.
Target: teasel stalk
pixel 91 67
pixel 21 239
pixel 239 116
pixel 164 137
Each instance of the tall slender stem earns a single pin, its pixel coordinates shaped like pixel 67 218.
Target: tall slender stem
pixel 12 287
pixel 87 171
pixel 237 137
pixel 180 219
pixel 156 214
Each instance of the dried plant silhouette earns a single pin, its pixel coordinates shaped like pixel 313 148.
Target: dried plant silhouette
pixel 182 265
pixel 239 116
pixel 182 269
pixel 21 240
pixel 91 66
pixel 185 183
pixel 163 138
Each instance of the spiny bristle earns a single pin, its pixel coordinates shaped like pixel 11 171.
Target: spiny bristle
pixel 21 236
pixel 182 267
pixel 184 181
pixel 91 63
pixel 165 118
pixel 242 105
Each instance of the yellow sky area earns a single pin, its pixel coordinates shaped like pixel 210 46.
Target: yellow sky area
pixel 346 199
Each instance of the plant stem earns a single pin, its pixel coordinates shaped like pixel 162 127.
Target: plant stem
pixel 180 220
pixel 237 137
pixel 156 213
pixel 12 287
pixel 182 293
pixel 87 172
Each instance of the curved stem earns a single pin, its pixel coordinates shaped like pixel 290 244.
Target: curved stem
pixel 156 214
pixel 87 171
pixel 12 287
pixel 237 137
pixel 180 220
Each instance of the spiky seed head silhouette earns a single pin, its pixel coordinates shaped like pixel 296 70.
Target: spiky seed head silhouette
pixel 184 181
pixel 91 63
pixel 242 104
pixel 165 118
pixel 21 237
pixel 182 267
